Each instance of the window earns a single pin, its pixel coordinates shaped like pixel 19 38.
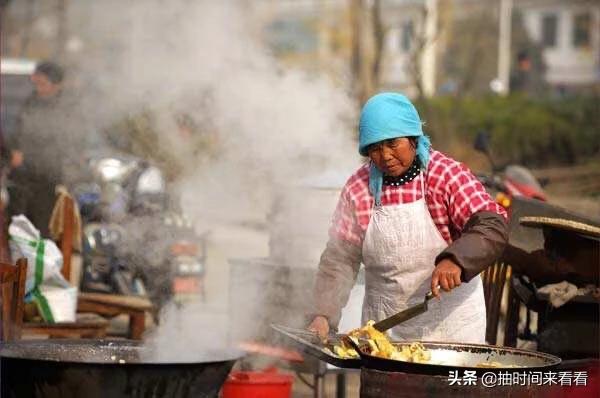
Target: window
pixel 549 27
pixel 581 30
pixel 289 35
pixel 407 36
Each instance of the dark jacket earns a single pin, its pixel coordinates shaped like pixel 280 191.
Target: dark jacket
pixel 50 132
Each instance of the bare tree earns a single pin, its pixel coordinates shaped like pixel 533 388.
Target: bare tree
pixel 471 54
pixel 423 42
pixel 26 36
pixel 379 38
pixel 419 45
pixel 61 21
pixel 368 36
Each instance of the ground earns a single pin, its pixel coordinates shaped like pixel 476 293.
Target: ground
pixel 575 188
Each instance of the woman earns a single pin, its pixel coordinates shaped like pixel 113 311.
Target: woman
pixel 417 220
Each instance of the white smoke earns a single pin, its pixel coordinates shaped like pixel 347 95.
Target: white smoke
pixel 274 124
pixel 200 57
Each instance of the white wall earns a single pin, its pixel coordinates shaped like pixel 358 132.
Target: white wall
pixel 565 63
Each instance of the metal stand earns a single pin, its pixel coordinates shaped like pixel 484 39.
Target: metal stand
pixel 340 385
pixel 319 385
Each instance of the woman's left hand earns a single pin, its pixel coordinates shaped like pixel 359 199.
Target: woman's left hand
pixel 446 275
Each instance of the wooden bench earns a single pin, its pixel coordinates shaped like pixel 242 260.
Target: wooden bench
pixel 85 326
pixel 13 328
pixel 111 305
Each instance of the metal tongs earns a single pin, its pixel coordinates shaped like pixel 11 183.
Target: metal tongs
pixel 403 316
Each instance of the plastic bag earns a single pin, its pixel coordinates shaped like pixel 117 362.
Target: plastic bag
pixel 61 303
pixel 55 297
pixel 44 259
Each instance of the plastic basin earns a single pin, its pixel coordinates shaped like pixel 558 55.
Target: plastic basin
pixel 258 385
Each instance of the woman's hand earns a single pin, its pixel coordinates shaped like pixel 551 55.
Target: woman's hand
pixel 320 326
pixel 447 275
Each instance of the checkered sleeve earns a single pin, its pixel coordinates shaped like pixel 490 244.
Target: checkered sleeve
pixel 344 225
pixel 465 195
pixel 481 222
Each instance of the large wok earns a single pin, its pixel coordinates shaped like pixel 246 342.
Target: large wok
pixel 382 377
pixel 101 368
pixel 445 356
pixel 453 356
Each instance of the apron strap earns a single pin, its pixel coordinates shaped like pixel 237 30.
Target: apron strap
pixel 423 192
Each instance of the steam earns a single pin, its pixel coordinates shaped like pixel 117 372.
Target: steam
pixel 274 125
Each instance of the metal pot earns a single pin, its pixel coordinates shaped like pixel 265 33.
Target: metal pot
pixel 100 368
pixel 386 377
pixel 377 384
pixel 444 356
pixel 452 356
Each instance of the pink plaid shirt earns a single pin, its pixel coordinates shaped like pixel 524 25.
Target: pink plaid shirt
pixel 453 194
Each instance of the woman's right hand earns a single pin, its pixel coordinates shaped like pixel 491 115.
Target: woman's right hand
pixel 320 326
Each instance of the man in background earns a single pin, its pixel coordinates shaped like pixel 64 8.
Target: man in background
pixel 528 76
pixel 37 148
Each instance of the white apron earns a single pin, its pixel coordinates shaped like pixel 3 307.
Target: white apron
pixel 399 251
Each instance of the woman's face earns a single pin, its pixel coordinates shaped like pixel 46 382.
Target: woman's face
pixel 394 156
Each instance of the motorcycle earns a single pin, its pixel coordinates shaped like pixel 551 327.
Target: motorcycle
pixel 505 183
pixel 136 241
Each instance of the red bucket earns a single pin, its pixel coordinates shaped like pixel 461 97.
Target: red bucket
pixel 258 385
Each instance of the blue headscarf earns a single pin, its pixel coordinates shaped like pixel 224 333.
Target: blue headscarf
pixel 386 116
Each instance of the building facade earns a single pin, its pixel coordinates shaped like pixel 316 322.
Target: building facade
pixel 569 33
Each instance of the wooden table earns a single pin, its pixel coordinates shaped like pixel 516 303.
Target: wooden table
pixel 113 305
pixel 85 326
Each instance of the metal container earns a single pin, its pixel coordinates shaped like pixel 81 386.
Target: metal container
pixel 376 384
pixel 381 377
pixel 263 292
pixel 97 368
pixel 450 363
pixel 446 357
pixel 300 217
